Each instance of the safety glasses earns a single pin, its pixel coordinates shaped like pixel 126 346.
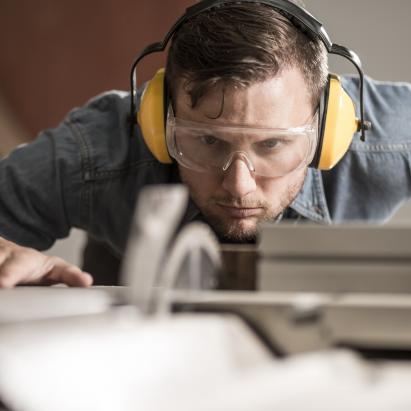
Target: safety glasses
pixel 266 152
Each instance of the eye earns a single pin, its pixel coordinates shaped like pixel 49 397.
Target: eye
pixel 208 140
pixel 270 143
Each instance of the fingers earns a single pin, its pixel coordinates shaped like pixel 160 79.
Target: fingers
pixel 63 272
pixel 21 265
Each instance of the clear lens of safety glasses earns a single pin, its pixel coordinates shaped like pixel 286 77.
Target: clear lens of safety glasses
pixel 266 152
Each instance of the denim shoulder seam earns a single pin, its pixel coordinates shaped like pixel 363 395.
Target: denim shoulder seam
pixel 85 159
pixel 49 135
pixel 106 174
pixel 351 77
pixel 396 147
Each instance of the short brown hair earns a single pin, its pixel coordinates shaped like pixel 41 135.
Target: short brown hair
pixel 241 44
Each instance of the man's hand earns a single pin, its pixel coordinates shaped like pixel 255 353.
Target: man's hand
pixel 21 265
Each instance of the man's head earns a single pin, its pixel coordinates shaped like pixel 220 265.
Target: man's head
pixel 244 65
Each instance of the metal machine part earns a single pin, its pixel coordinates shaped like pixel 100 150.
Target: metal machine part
pixel 156 219
pixel 290 323
pixel 346 258
pixel 193 263
pixel 155 263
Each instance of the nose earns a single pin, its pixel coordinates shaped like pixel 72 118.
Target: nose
pixel 238 180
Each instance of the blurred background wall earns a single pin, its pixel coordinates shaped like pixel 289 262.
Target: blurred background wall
pixel 56 54
pixel 379 31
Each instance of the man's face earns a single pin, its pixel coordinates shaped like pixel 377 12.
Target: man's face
pixel 235 201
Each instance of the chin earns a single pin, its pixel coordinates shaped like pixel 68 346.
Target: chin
pixel 235 230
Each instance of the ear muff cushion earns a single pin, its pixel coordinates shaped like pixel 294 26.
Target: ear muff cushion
pixel 151 117
pixel 322 109
pixel 339 127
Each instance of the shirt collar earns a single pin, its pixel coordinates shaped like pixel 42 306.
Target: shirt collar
pixel 311 201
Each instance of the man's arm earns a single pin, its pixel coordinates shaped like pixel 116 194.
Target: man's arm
pixel 41 187
pixel 40 200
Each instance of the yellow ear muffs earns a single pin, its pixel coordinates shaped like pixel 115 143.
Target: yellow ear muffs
pixel 151 117
pixel 338 122
pixel 338 125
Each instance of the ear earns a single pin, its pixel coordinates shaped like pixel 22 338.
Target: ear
pixel 338 124
pixel 151 117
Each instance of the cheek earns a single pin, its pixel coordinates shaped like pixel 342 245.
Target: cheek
pixel 272 188
pixel 269 186
pixel 201 185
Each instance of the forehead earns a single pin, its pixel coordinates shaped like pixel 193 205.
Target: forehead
pixel 279 102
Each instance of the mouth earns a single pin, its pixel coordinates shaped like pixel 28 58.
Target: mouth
pixel 240 212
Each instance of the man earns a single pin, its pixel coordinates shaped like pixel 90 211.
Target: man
pixel 237 76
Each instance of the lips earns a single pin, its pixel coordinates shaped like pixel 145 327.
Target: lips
pixel 241 212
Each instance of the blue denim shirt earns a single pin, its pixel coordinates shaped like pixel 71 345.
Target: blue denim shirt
pixel 87 172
